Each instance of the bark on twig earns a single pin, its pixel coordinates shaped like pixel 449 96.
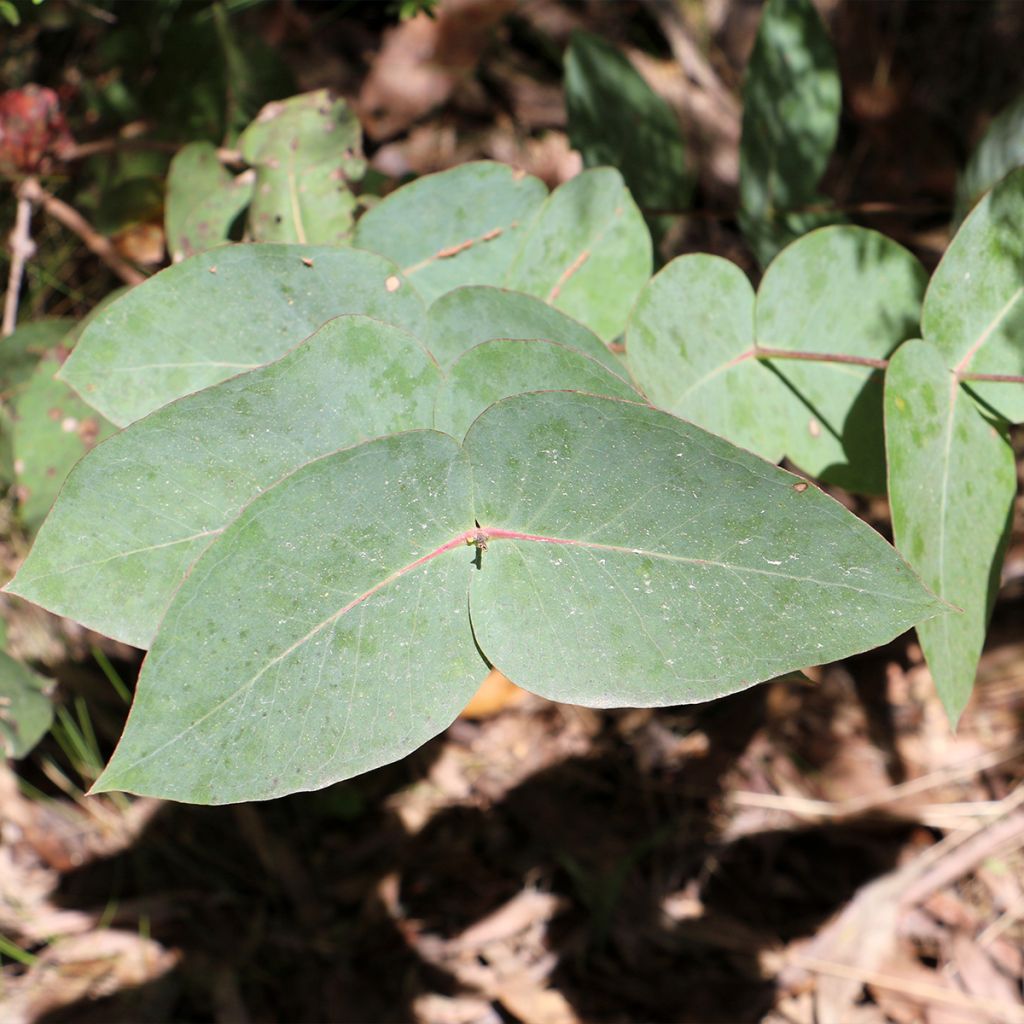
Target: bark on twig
pixel 75 222
pixel 22 248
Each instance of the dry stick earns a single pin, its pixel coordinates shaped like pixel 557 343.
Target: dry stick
pixel 74 221
pixel 920 990
pixel 810 807
pixel 22 249
pixel 760 352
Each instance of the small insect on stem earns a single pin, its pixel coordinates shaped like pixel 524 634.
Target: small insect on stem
pixel 478 538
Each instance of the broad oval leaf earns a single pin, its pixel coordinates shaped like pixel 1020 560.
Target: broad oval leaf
pixel 203 200
pixel 456 227
pixel 324 634
pixel 588 253
pixel 306 150
pixel 26 711
pixel 326 631
pixel 974 307
pixel 217 314
pixel 138 512
pixel 497 369
pixel 617 120
pixel 464 317
pixel 952 482
pixel 791 102
pixel 690 344
pixel 636 559
pixel 848 291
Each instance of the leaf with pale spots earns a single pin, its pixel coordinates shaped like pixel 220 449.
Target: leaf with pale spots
pixel 622 556
pixel 952 482
pixel 457 227
pixel 53 428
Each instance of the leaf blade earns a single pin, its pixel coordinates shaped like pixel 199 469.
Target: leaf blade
pixel 375 665
pixel 952 482
pixel 143 350
pixel 140 510
pixel 797 579
pixel 457 227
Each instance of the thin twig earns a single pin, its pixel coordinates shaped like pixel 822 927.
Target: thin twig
pixel 916 989
pixel 22 249
pixel 852 806
pixel 75 222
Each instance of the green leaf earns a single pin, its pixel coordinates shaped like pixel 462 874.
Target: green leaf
pixel 588 253
pixel 137 513
pixel 791 102
pixel 218 314
pixel 308 645
pixel 306 150
pixel 25 710
pixel 630 557
pixel 203 200
pixel 1000 150
pixel 696 329
pixel 53 429
pixel 690 344
pixel 952 482
pixel 663 565
pixel 464 317
pixel 616 119
pixel 846 291
pixel 20 353
pixel 460 226
pixel 498 369
pixel 974 307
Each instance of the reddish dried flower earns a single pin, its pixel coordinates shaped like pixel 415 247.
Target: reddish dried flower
pixel 33 130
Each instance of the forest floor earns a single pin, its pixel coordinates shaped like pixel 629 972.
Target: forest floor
pixel 819 848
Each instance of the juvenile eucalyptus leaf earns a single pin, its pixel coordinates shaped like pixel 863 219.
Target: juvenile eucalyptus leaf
pixel 498 369
pixel 464 317
pixel 306 150
pixel 617 120
pixel 663 565
pixel 457 227
pixel 952 482
pixel 26 712
pixel 840 290
pixel 690 345
pixel 324 634
pixel 974 306
pixel 53 429
pixel 138 512
pixel 203 200
pixel 621 556
pixel 1000 150
pixel 791 102
pixel 220 313
pixel 587 253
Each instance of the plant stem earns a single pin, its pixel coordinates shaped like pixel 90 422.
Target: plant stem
pixel 22 248
pixel 74 221
pixel 878 364
pixel 819 357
